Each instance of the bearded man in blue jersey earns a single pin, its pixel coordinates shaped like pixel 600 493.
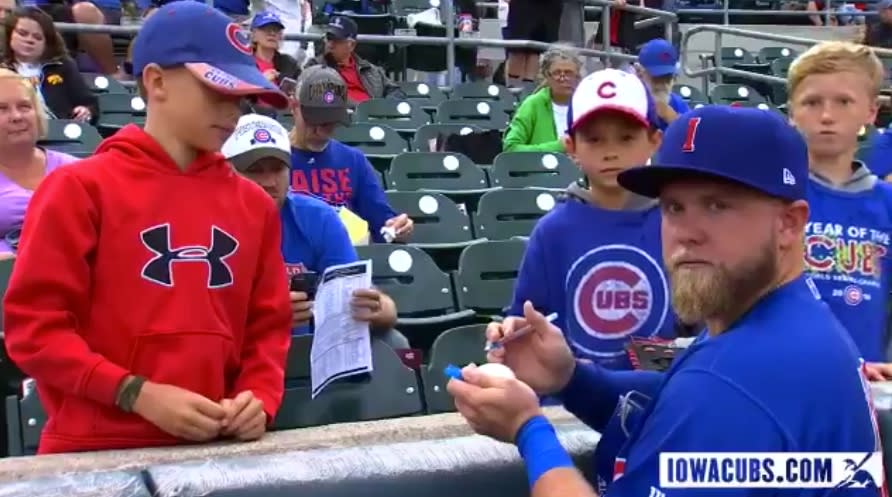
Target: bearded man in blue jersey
pixel 313 236
pixel 773 371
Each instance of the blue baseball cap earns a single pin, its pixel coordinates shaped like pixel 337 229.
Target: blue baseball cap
pixel 752 147
pixel 658 57
pixel 207 42
pixel 265 19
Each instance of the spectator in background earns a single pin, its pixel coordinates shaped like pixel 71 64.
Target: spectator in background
pixel 536 20
pixel 23 165
pixel 98 48
pixel 6 8
pixel 540 123
pixel 266 37
pixel 329 169
pixel 364 80
pixel 657 65
pixel 313 237
pixel 878 30
pixel 35 50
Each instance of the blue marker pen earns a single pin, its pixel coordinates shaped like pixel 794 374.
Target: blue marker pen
pixel 453 371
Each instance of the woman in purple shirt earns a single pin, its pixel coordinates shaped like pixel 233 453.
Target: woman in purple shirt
pixel 23 164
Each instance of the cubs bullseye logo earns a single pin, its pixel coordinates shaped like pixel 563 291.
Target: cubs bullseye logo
pixel 328 97
pixel 239 38
pixel 261 136
pixel 853 295
pixel 617 291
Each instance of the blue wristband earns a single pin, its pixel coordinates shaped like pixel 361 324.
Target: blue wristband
pixel 540 449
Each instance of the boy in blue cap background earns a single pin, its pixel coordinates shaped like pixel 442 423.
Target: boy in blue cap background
pixel 150 302
pixel 657 66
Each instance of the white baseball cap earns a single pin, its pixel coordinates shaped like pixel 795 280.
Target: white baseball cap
pixel 610 90
pixel 257 137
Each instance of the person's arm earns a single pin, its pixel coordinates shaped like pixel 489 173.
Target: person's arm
pixel 593 391
pixel 370 201
pixel 268 327
pixel 520 132
pixel 49 293
pixel 78 92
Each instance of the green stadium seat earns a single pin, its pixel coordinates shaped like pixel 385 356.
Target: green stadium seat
pixel 446 172
pixel 780 67
pixel 422 291
pixel 486 275
pixel 100 83
pixel 401 115
pixel 459 346
pixel 380 144
pixel 439 222
pixel 25 419
pixel 511 212
pixel 117 110
pixel 533 169
pixel 477 112
pixel 423 94
pixel 391 390
pixel 481 90
pixel 6 266
pixel 71 137
pixel 729 94
pixel 736 55
pixel 689 93
pixel 426 136
pixel 770 54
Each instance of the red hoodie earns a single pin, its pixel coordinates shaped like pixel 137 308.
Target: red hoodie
pixel 128 265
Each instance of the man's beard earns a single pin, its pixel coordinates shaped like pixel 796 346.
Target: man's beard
pixel 702 292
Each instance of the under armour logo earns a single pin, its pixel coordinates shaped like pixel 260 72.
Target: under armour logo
pixel 160 268
pixel 789 179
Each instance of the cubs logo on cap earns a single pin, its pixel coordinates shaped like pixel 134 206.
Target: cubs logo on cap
pixel 262 135
pixel 257 137
pixel 610 90
pixel 239 38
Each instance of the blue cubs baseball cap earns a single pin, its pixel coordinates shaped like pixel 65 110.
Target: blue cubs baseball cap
pixel 207 42
pixel 749 146
pixel 658 57
pixel 266 18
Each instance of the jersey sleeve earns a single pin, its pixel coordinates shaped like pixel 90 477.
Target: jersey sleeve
pixel 268 327
pixel 334 246
pixel 49 292
pixel 370 200
pixel 698 411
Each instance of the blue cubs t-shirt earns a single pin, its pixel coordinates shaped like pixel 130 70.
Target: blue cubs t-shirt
pixel 342 175
pixel 602 272
pixel 313 238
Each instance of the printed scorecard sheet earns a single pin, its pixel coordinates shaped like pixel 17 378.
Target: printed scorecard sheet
pixel 341 345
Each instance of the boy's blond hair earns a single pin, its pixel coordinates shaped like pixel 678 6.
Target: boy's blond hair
pixel 831 57
pixel 36 102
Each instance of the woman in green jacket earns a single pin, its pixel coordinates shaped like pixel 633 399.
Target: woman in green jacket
pixel 540 122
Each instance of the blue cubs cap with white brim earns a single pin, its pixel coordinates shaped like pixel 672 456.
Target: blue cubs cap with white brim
pixel 207 43
pixel 752 147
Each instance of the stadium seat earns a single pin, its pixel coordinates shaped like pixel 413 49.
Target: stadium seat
pixel 423 94
pixel 481 90
pixel 511 212
pixel 71 137
pixel 689 93
pixel 770 54
pixel 422 291
pixel 5 273
pixel 403 8
pixel 446 172
pixel 533 169
pixel 476 112
pixel 379 143
pixel 373 24
pixel 25 419
pixel 439 222
pixel 426 137
pixel 731 94
pixel 459 346
pixel 780 67
pixel 117 110
pixel 736 55
pixel 99 83
pixel 401 115
pixel 390 391
pixel 486 275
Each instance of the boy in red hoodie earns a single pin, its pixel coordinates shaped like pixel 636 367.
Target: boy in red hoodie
pixel 149 298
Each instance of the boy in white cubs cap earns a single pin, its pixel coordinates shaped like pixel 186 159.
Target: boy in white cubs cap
pixel 313 237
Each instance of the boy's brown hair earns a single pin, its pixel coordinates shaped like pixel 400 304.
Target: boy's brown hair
pixel 831 57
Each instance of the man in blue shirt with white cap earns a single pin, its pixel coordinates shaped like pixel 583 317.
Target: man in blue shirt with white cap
pixel 657 66
pixel 773 371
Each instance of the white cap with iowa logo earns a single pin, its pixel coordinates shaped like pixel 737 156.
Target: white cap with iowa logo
pixel 257 137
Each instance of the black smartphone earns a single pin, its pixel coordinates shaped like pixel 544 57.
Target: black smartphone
pixel 306 282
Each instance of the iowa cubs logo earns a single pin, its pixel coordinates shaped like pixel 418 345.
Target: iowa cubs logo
pixel 616 291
